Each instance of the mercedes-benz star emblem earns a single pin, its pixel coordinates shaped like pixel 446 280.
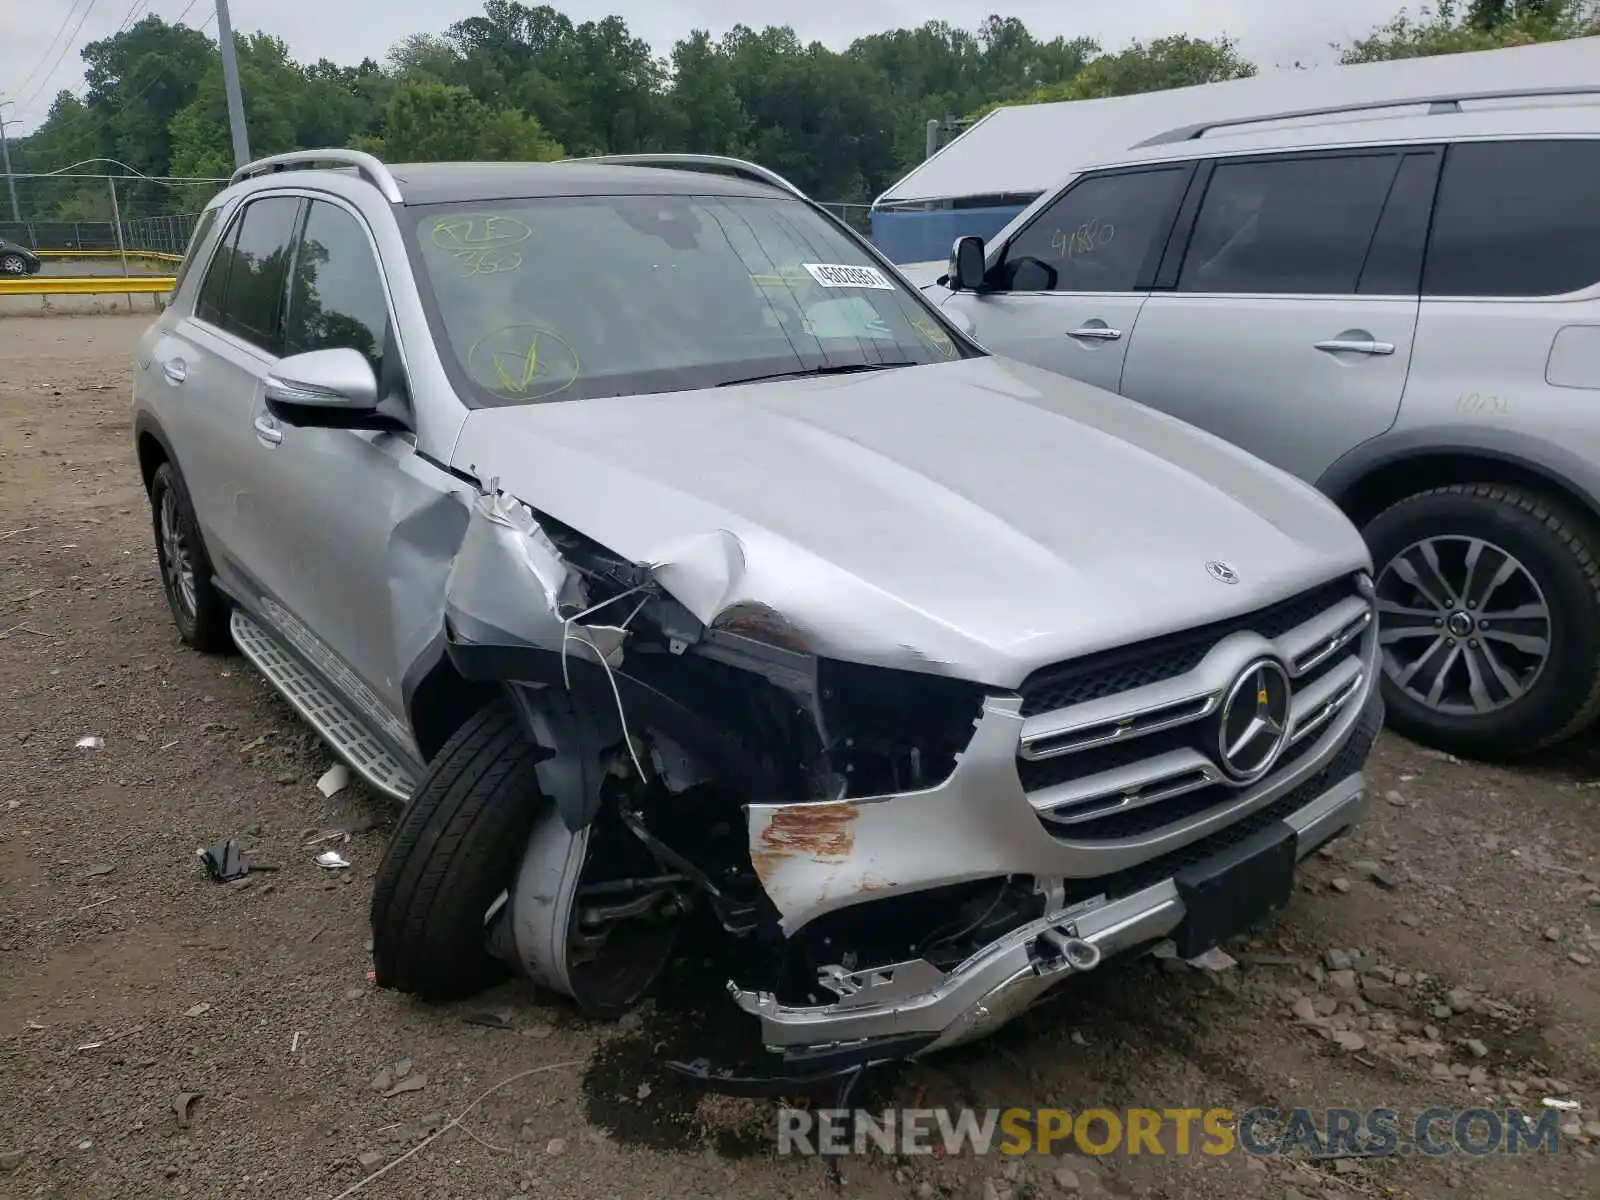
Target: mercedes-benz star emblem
pixel 1254 724
pixel 1222 572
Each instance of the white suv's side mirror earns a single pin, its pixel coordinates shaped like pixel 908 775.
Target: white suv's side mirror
pixel 966 265
pixel 340 379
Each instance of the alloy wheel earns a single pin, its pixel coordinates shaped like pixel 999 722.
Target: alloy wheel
pixel 1464 626
pixel 176 561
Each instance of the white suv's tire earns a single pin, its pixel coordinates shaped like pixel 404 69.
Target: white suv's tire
pixel 1496 589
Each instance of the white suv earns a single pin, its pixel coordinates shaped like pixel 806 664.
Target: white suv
pixel 1399 304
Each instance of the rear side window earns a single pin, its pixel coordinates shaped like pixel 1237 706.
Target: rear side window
pixel 214 287
pixel 202 228
pixel 1288 226
pixel 254 261
pixel 336 298
pixel 1097 236
pixel 1516 219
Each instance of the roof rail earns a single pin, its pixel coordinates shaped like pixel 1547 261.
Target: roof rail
pixel 367 166
pixel 1449 102
pixel 706 162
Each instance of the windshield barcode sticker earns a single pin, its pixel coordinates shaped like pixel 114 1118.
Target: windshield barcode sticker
pixel 837 275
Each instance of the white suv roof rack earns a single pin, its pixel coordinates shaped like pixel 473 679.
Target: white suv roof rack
pixel 706 162
pixel 366 165
pixel 1449 102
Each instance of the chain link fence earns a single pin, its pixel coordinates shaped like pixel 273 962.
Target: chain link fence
pixel 86 213
pixel 102 213
pixel 857 216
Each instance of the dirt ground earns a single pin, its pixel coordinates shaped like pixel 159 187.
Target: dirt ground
pixel 162 1035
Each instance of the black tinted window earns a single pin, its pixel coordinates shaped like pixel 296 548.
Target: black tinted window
pixel 214 287
pixel 336 296
pixel 1097 236
pixel 1298 225
pixel 202 228
pixel 1516 219
pixel 1394 264
pixel 255 279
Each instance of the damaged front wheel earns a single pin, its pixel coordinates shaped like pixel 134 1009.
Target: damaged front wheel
pixel 455 851
pixel 482 872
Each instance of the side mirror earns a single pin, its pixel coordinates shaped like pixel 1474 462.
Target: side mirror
pixel 324 386
pixel 966 265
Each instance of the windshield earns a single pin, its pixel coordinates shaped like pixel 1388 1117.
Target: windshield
pixel 581 296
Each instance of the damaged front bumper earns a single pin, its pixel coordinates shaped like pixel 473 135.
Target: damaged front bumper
pixel 1107 898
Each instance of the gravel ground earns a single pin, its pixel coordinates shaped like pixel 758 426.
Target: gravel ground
pixel 161 1035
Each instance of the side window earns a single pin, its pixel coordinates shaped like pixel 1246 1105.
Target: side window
pixel 214 287
pixel 260 254
pixel 202 229
pixel 1288 225
pixel 1097 236
pixel 336 297
pixel 1516 219
pixel 1394 264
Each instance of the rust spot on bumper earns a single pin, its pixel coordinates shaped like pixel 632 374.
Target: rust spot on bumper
pixel 821 832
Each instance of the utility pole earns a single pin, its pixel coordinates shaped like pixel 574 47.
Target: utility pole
pixel 230 84
pixel 5 160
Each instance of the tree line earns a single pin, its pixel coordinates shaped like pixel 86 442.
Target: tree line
pixel 527 82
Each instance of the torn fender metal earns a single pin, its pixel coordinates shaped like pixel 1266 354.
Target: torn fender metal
pixel 509 585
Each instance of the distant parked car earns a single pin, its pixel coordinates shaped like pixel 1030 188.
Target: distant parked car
pixel 17 260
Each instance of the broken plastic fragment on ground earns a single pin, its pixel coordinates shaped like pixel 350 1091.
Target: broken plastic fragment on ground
pixel 91 743
pixel 225 862
pixel 331 860
pixel 334 780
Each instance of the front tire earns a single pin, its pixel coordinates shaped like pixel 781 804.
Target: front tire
pixel 199 610
pixel 13 264
pixel 1489 619
pixel 454 852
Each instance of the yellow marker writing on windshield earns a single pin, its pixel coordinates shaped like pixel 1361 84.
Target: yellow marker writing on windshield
pixel 528 366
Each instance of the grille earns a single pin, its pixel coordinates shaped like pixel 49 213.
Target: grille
pixel 1127 667
pixel 1130 784
pixel 1125 883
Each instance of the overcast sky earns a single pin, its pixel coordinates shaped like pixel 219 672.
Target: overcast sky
pixel 1269 31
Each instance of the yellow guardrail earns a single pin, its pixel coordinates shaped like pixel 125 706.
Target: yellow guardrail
pixel 84 285
pixel 156 255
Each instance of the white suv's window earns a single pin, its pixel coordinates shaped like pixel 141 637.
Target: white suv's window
pixel 1516 219
pixel 1293 226
pixel 1097 236
pixel 580 296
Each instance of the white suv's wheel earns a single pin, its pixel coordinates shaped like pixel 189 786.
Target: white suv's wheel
pixel 1489 619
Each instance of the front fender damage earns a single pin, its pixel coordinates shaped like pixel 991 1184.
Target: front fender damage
pixel 674 709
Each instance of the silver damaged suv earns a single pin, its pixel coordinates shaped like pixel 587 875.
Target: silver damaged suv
pixel 670 558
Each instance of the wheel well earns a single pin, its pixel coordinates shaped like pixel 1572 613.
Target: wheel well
pixel 442 703
pixel 151 455
pixel 1394 481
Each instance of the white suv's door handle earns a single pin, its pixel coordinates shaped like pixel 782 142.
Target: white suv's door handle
pixel 175 370
pixel 1336 345
pixel 1095 333
pixel 267 429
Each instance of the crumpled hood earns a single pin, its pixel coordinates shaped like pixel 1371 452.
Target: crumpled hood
pixel 978 519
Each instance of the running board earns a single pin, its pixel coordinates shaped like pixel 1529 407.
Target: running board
pixel 324 711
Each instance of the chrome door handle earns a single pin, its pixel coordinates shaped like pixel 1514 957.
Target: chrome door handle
pixel 175 370
pixel 1095 333
pixel 267 429
pixel 1336 345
